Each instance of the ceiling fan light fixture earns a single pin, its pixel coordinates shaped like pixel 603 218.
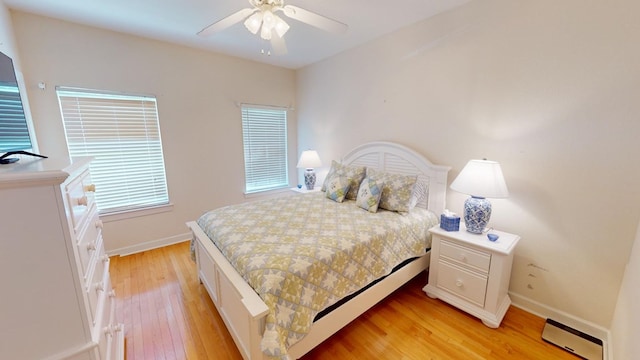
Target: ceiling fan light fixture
pixel 261 17
pixel 268 19
pixel 265 33
pixel 253 22
pixel 281 26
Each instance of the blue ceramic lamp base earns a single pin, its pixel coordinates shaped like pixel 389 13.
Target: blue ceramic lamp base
pixel 477 211
pixel 309 179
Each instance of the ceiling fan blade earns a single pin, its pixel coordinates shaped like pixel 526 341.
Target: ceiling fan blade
pixel 228 21
pixel 277 44
pixel 313 19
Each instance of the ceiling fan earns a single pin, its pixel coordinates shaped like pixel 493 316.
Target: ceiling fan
pixel 263 16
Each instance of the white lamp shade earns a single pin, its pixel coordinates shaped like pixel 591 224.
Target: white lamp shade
pixel 281 26
pixel 268 19
pixel 481 178
pixel 253 22
pixel 265 33
pixel 309 159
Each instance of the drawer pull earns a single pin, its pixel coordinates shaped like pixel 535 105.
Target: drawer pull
pixel 459 283
pixel 109 330
pixel 83 201
pixel 112 328
pixel 91 246
pixel 90 188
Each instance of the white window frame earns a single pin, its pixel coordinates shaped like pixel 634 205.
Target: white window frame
pixel 265 146
pixel 122 133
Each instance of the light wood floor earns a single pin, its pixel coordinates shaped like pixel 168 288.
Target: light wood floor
pixel 168 315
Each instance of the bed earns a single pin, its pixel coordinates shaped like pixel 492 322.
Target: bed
pixel 249 313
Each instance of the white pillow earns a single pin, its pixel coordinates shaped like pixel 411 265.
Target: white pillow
pixel 419 193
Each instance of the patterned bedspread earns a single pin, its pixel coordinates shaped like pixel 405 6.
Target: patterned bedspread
pixel 303 253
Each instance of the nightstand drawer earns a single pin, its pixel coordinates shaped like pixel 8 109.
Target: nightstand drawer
pixel 463 256
pixel 463 283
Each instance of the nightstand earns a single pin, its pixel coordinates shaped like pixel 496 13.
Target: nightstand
pixel 304 190
pixel 472 273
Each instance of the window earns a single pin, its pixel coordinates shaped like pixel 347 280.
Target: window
pixel 14 133
pixel 264 134
pixel 122 133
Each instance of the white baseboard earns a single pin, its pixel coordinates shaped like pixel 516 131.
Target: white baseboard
pixel 150 245
pixel 546 312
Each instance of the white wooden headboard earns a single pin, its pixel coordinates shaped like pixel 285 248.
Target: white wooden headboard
pixel 399 159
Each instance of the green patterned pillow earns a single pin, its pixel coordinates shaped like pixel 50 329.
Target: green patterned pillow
pixel 338 187
pixel 396 191
pixel 332 171
pixel 355 173
pixel 369 194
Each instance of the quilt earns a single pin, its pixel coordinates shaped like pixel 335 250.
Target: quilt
pixel 303 253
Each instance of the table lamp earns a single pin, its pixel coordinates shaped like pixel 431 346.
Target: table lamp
pixel 309 159
pixel 481 179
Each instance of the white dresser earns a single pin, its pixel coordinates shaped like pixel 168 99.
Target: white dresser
pixel 56 300
pixel 472 273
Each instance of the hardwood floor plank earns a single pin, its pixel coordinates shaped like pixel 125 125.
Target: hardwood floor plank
pixel 168 315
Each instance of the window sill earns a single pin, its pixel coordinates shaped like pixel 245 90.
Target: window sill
pixel 266 193
pixel 129 214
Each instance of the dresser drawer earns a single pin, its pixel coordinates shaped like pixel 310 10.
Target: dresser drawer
pixel 461 282
pixel 99 284
pixel 463 256
pixel 80 195
pixel 88 242
pixel 104 331
pixel 107 330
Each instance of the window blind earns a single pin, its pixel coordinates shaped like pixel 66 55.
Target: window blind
pixel 122 133
pixel 14 134
pixel 264 134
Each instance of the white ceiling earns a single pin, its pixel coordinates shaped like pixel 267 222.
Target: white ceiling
pixel 178 21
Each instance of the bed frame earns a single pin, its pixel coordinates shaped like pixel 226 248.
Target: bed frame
pixel 242 309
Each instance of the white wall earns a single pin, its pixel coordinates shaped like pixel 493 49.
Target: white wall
pixel 549 89
pixel 7 40
pixel 197 93
pixel 625 328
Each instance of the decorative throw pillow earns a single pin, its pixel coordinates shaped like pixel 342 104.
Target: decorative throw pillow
pixel 419 193
pixel 354 173
pixel 396 190
pixel 332 171
pixel 337 188
pixel 369 194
